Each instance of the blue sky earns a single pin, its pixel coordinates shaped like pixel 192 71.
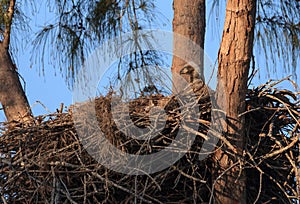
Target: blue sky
pixel 51 90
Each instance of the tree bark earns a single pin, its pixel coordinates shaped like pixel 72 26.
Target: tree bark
pixel 189 22
pixel 234 62
pixel 12 95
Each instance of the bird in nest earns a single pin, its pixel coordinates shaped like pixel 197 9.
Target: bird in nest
pixel 196 84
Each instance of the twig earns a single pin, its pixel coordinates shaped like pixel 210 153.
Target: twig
pixel 295 140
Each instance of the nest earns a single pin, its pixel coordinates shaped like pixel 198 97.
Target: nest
pixel 48 163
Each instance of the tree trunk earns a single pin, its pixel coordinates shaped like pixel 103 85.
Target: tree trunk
pixel 189 22
pixel 12 96
pixel 234 62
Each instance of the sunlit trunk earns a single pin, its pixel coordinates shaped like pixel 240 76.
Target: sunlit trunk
pixel 12 96
pixel 189 22
pixel 234 62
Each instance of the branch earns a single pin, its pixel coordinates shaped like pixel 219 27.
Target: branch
pixel 296 139
pixel 8 23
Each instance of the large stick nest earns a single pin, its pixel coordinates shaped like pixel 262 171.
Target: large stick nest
pixel 47 163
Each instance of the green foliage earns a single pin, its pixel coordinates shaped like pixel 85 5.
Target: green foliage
pixel 3 9
pixel 105 17
pixel 278 32
pixel 19 24
pixel 81 26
